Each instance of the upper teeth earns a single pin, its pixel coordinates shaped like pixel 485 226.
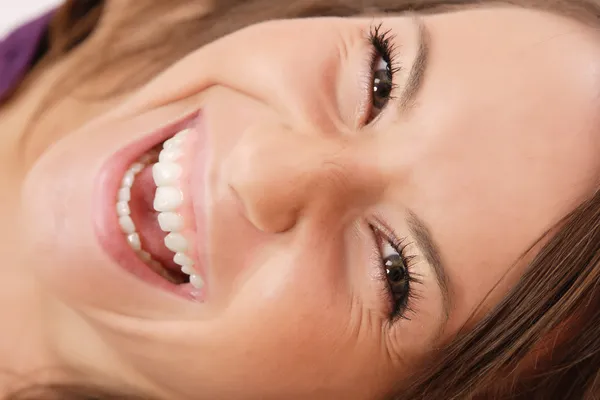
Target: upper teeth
pixel 170 221
pixel 169 198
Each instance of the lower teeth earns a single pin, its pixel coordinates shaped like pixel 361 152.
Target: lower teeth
pixel 126 223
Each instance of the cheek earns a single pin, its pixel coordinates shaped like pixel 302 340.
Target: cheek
pixel 60 121
pixel 298 292
pixel 282 329
pixel 57 212
pixel 288 315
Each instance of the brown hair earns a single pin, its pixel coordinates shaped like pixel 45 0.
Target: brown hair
pixel 557 295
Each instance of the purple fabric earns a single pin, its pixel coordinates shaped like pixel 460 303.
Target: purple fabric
pixel 17 52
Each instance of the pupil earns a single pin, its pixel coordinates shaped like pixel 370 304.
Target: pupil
pixel 382 88
pixel 395 269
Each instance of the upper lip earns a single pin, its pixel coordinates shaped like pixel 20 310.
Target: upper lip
pixel 197 171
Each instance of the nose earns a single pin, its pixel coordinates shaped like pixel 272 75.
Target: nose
pixel 280 176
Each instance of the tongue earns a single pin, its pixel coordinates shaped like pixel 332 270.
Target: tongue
pixel 145 219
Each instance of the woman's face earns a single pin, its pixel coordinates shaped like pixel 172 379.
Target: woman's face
pixel 340 234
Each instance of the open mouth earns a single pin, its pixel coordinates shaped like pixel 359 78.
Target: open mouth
pixel 153 232
pixel 149 204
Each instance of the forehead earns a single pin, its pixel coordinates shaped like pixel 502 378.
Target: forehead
pixel 504 139
pixel 528 40
pixel 497 76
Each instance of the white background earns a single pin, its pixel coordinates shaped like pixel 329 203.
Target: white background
pixel 15 12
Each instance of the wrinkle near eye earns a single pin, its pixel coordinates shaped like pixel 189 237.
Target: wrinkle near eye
pixel 370 325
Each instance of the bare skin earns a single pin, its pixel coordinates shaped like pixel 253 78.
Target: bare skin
pixel 497 144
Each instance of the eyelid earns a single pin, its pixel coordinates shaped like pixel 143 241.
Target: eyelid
pixel 372 54
pixel 384 229
pixel 365 80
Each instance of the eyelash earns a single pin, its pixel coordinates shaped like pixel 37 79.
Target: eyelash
pixel 398 308
pixel 382 47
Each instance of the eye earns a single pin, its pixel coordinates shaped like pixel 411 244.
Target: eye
pixel 397 278
pixel 382 87
pixel 382 71
pixel 395 274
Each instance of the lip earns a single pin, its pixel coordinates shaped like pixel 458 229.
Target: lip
pixel 105 219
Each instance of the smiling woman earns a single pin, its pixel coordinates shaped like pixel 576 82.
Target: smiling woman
pixel 304 200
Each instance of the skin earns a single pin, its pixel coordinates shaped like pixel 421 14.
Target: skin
pixel 500 143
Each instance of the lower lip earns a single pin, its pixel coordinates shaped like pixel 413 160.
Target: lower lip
pixel 106 223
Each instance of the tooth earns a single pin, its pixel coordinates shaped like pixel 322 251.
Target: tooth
pixel 128 179
pixel 176 243
pixel 134 241
pixel 167 199
pixel 170 221
pixel 144 255
pixel 170 155
pixel 166 173
pixel 197 281
pixel 136 168
pixel 188 269
pixel 159 269
pixel 183 260
pixel 174 142
pixel 127 224
pixel 124 194
pixel 169 144
pixel 123 209
pixel 182 134
pixel 155 265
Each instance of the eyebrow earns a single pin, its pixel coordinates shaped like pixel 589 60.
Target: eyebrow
pixel 419 66
pixel 430 250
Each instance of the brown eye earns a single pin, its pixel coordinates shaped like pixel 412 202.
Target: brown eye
pixel 383 68
pixel 382 85
pixel 397 275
